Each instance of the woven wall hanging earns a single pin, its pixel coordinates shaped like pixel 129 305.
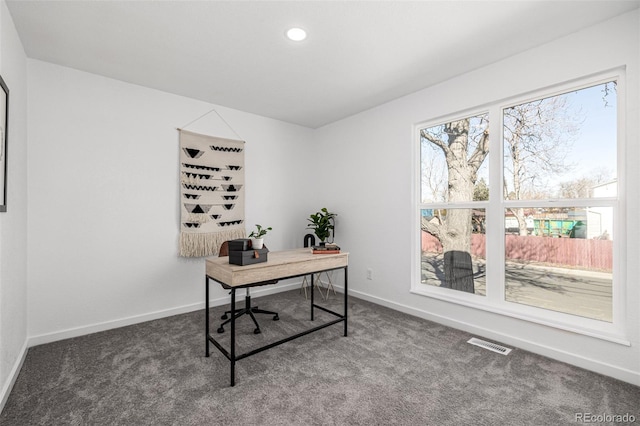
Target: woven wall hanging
pixel 211 193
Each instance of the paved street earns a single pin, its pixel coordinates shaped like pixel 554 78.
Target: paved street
pixel 582 293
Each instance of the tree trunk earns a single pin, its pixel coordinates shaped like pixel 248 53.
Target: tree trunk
pixel 456 241
pixel 522 222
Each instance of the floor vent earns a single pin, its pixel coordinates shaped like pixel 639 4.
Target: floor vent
pixel 490 346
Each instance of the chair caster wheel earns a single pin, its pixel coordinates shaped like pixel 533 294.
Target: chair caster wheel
pixel 257 331
pixel 223 316
pixel 221 330
pixel 276 317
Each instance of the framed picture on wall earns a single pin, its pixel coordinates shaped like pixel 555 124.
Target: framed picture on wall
pixel 4 123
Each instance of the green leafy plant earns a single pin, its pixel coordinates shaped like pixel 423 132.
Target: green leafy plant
pixel 259 232
pixel 322 223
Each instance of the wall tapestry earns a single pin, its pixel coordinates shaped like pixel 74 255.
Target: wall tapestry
pixel 211 193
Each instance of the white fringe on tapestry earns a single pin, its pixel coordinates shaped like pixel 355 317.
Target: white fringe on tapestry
pixel 198 245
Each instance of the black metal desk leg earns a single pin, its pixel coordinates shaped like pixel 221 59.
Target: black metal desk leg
pixel 233 337
pixel 312 286
pixel 206 314
pixel 346 285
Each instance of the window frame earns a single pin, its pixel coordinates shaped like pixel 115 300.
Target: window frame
pixel 494 301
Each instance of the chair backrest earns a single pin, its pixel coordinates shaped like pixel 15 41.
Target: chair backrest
pixel 224 249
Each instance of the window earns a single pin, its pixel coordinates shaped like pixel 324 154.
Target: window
pixel 538 240
pixel 559 253
pixel 453 155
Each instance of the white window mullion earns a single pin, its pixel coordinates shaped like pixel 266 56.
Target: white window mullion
pixel 495 213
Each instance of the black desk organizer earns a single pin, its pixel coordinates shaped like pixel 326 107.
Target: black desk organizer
pixel 241 253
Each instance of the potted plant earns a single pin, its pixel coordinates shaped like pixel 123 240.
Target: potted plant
pixel 322 224
pixel 257 236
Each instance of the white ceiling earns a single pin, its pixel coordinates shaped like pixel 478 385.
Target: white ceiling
pixel 233 53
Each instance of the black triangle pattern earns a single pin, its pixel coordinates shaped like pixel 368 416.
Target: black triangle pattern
pixel 201 207
pixel 231 188
pixel 199 187
pixel 197 175
pixel 225 149
pixel 199 167
pixel 197 208
pixel 193 152
pixel 231 222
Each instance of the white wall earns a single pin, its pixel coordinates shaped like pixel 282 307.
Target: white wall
pixel 372 156
pixel 103 199
pixel 13 223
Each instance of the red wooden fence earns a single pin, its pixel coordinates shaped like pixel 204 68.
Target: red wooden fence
pixel 568 252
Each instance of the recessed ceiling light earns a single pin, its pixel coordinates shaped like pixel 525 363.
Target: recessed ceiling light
pixel 296 34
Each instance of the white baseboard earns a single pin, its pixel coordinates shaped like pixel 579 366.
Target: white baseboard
pixel 13 376
pixel 136 319
pixel 600 367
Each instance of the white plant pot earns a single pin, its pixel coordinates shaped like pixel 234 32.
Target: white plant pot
pixel 257 243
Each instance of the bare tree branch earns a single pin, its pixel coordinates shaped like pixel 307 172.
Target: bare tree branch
pixel 481 151
pixel 437 142
pixel 432 228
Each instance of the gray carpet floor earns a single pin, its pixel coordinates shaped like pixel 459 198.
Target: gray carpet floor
pixel 391 369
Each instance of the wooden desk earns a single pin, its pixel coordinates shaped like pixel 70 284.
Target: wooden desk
pixel 281 265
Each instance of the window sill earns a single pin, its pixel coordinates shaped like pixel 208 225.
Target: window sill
pixel 566 322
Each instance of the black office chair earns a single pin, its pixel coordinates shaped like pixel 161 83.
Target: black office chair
pixel 248 309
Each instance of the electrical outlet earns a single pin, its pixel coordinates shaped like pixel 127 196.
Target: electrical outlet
pixel 369 274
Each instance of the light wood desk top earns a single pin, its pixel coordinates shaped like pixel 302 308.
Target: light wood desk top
pixel 280 265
